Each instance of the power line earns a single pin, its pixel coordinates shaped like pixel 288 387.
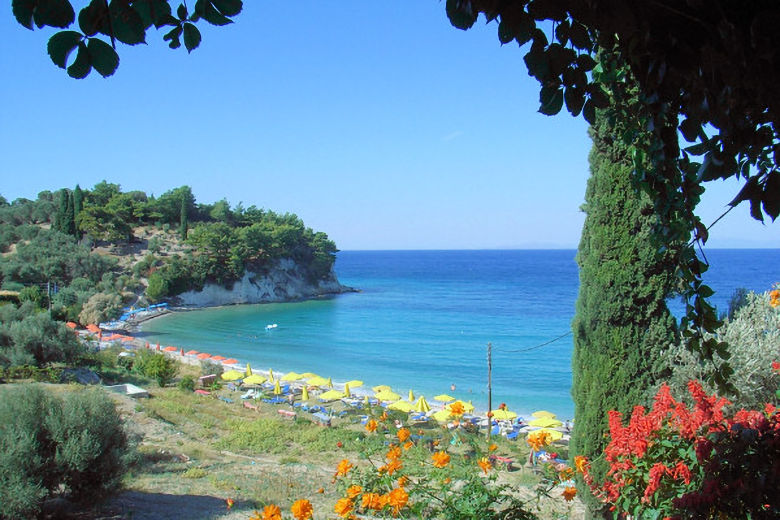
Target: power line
pixel 535 346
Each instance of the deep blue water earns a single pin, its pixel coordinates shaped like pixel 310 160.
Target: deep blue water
pixel 423 320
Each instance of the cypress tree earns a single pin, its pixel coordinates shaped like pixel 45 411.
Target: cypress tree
pixel 183 220
pixel 69 225
pixel 61 216
pixel 78 205
pixel 622 322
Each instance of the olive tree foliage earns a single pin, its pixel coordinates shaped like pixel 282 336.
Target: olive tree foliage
pixel 101 307
pixel 753 335
pixel 29 337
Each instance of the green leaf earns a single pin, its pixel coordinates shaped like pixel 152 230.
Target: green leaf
pixel 94 18
pixel 209 13
pixel 461 14
pixel 61 45
pixel 506 32
pixel 173 35
pixel 537 63
pixel 525 28
pixel 157 12
pixel 228 7
pixel 104 58
pixel 772 194
pixel 23 11
pixel 562 32
pixel 127 23
pixel 191 37
pixel 54 13
pixel 585 62
pixel 81 65
pixel 551 99
pixel 598 95
pixel 690 129
pixel 578 34
pixel 589 112
pixel 181 12
pixel 575 99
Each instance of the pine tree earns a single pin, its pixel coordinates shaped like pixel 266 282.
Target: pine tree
pixel 622 322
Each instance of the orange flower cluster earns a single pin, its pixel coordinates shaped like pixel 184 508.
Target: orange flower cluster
pixel 270 512
pixel 457 409
pixel 343 468
pixel 440 459
pixel 485 464
pixel 538 439
pixel 371 425
pixel 403 434
pixel 302 509
pixel 569 493
pixel 774 298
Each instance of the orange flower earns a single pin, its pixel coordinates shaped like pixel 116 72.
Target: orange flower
pixel 492 447
pixel 774 298
pixel 383 417
pixel 538 440
pixel 371 425
pixel 343 468
pixel 566 474
pixel 408 445
pixel 457 409
pixel 579 463
pixel 447 480
pixel 321 491
pixel 373 501
pixel 402 480
pixel 440 459
pixel 229 502
pixel 271 512
pixel 353 491
pixel 394 452
pixel 391 467
pixel 302 509
pixel 397 499
pixel 484 463
pixel 569 493
pixel 343 507
pixel 403 434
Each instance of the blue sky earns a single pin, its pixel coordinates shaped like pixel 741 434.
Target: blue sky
pixel 379 124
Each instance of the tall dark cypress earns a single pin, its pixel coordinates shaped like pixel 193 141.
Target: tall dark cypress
pixel 69 225
pixel 78 205
pixel 61 217
pixel 622 322
pixel 183 219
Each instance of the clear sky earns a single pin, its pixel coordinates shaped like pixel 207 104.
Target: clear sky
pixel 378 123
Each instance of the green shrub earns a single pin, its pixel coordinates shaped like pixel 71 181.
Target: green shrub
pixel 156 366
pixel 187 384
pixel 74 445
pixel 208 368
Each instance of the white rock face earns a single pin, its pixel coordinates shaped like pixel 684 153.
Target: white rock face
pixel 285 282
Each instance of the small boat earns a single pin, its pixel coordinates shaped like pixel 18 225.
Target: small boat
pixel 271 326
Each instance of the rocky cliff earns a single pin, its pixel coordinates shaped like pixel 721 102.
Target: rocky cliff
pixel 284 282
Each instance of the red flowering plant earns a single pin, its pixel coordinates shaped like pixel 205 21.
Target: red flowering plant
pixel 680 461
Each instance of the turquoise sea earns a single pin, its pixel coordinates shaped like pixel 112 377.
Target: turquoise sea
pixel 423 319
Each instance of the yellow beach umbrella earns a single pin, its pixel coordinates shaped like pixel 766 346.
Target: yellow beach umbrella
pixel 232 375
pixel 248 371
pixel 255 379
pixel 366 401
pixel 291 376
pixel 422 405
pixel 381 388
pixel 346 390
pixel 444 398
pixel 304 394
pixel 355 383
pixel 270 374
pixel 467 407
pixel 442 415
pixel 331 395
pixel 539 414
pixel 545 422
pixel 277 388
pixel 555 435
pixel 317 381
pixel 387 395
pixel 401 406
pixel 307 375
pixel 330 382
pixel 504 415
pixel 411 395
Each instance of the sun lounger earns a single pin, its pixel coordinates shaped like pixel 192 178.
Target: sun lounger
pixel 287 413
pixel 249 394
pixel 202 392
pixel 249 405
pixel 226 399
pixel 512 435
pixel 321 418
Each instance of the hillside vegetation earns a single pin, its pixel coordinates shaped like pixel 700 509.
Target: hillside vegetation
pixel 86 253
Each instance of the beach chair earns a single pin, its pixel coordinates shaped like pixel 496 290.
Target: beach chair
pixel 249 394
pixel 321 419
pixel 512 435
pixel 226 399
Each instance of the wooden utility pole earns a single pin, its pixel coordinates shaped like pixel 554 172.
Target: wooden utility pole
pixel 490 387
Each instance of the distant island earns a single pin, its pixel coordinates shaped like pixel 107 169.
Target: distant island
pixel 87 254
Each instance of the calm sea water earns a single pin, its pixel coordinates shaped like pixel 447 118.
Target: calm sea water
pixel 423 319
